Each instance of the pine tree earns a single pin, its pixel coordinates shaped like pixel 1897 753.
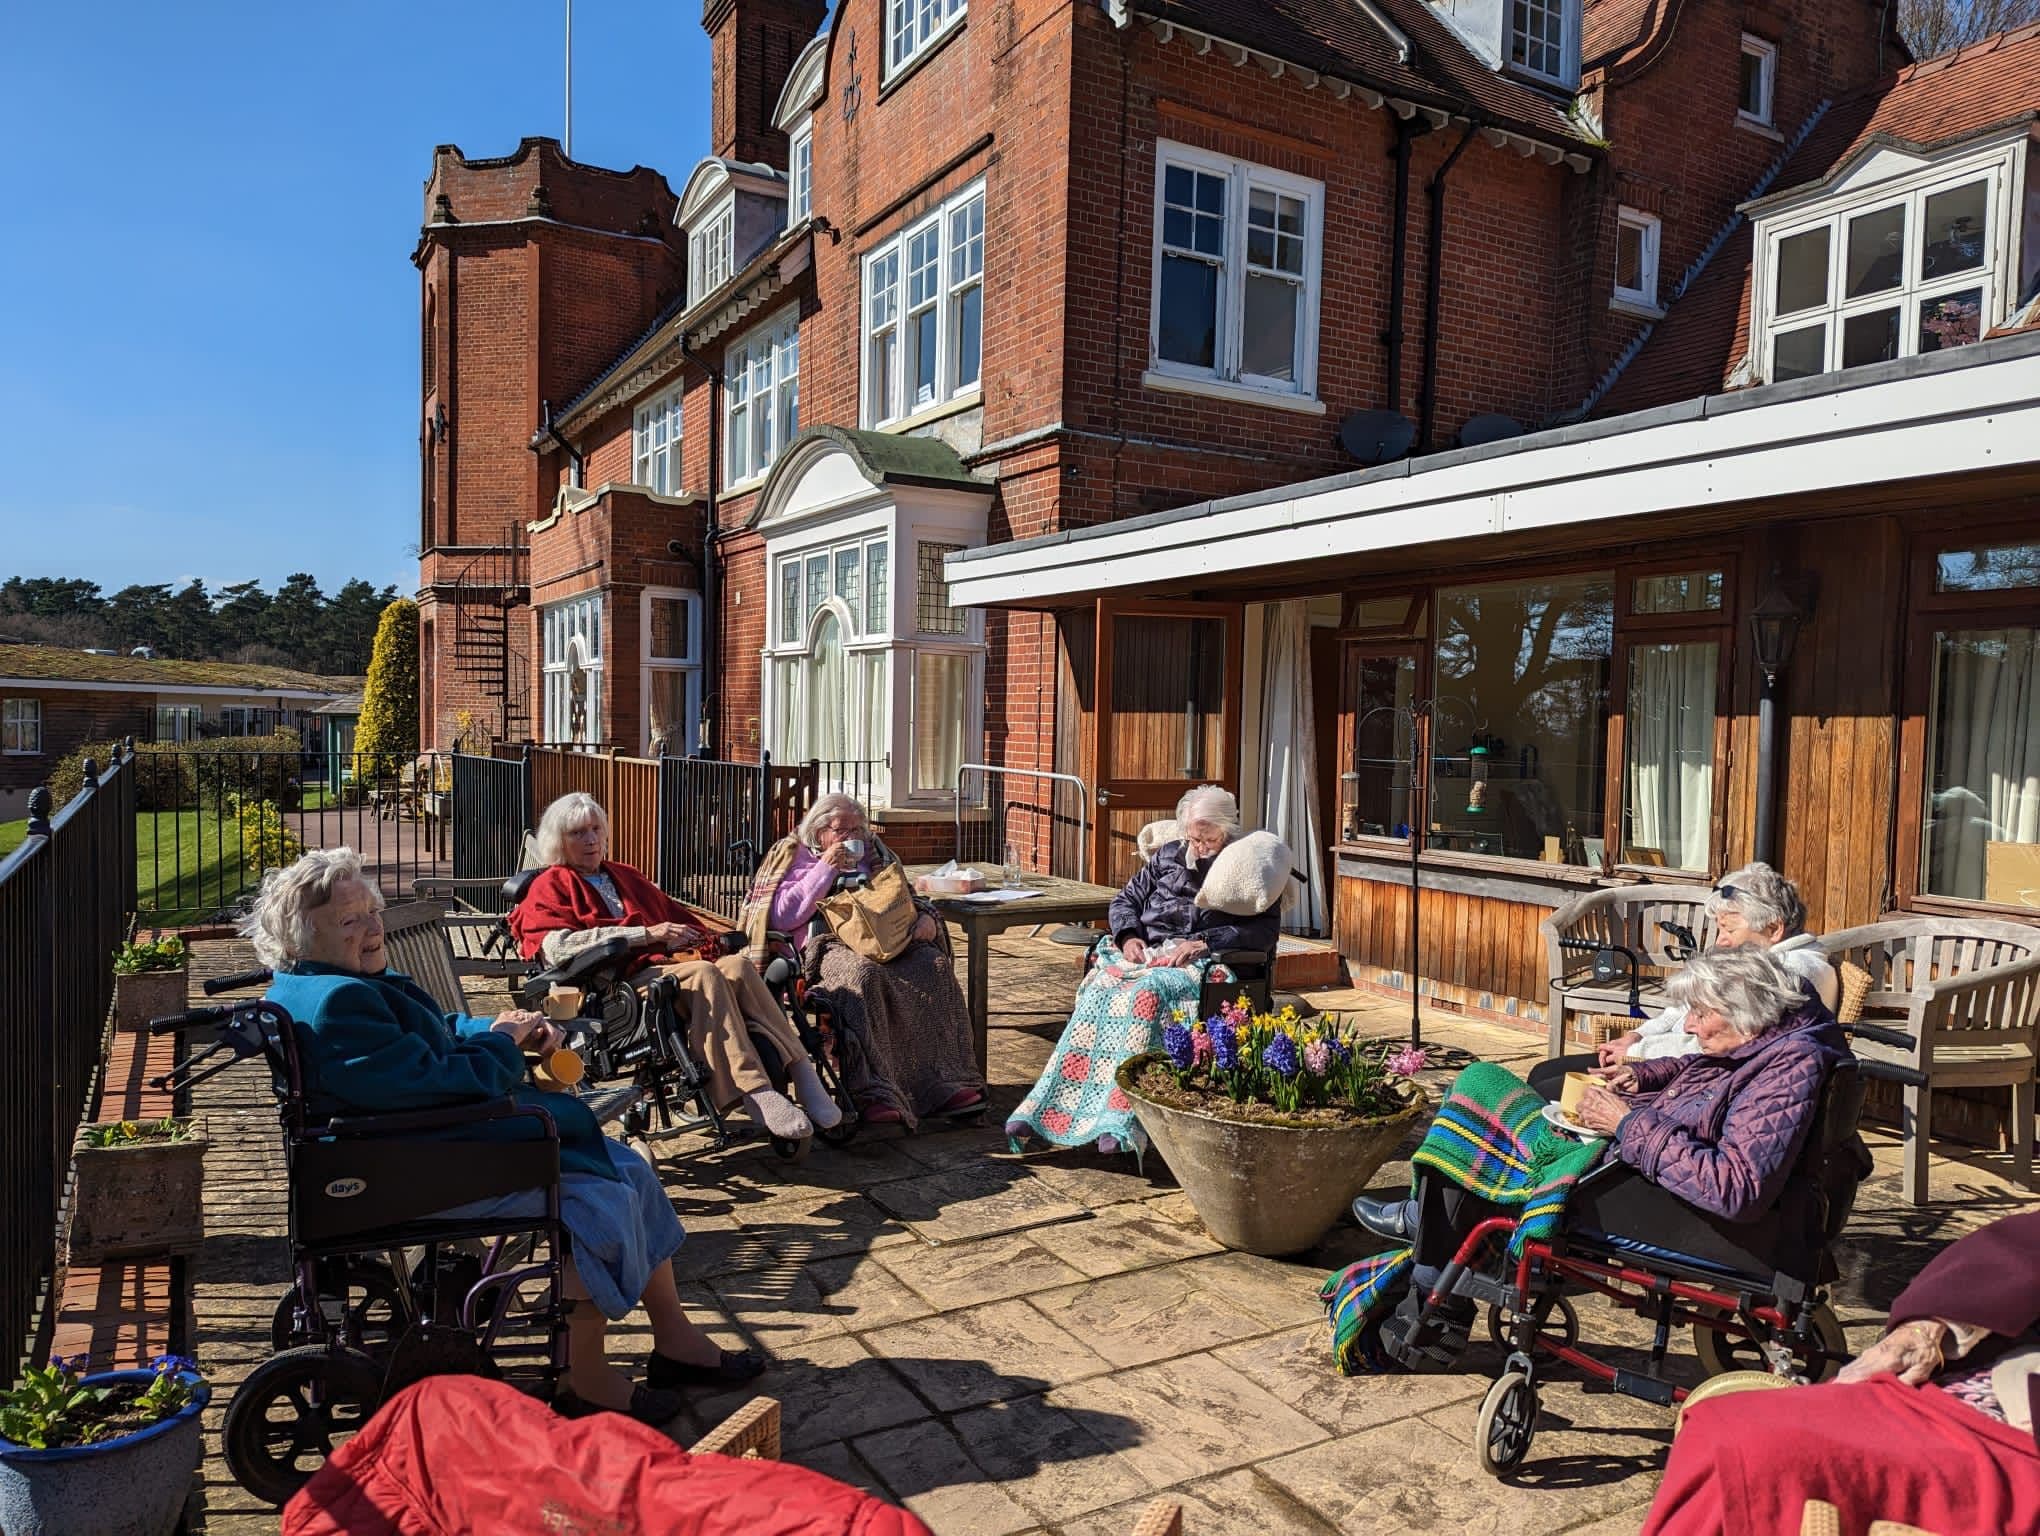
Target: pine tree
pixel 388 732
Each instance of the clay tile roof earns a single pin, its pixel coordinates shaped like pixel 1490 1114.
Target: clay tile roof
pixel 1614 26
pixel 1699 344
pixel 1339 38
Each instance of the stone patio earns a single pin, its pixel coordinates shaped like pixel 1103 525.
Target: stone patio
pixel 1041 1344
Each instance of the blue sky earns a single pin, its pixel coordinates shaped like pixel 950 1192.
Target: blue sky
pixel 208 315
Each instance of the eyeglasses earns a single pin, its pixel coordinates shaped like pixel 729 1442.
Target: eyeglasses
pixel 1727 892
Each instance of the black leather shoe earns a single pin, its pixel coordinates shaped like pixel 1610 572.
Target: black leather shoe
pixel 648 1405
pixel 1395 1220
pixel 732 1368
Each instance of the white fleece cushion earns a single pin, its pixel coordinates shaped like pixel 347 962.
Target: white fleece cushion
pixel 1250 875
pixel 1156 835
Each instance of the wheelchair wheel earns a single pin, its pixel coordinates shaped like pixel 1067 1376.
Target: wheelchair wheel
pixel 293 1411
pixel 1567 1330
pixel 371 1312
pixel 1721 1352
pixel 1508 1419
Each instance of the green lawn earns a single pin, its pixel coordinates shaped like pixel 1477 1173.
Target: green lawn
pixel 188 866
pixel 11 835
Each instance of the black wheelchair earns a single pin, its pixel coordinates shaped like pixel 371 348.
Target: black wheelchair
pixel 636 1031
pixel 386 1287
pixel 1753 1293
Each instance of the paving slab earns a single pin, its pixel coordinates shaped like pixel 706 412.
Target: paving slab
pixel 991 1269
pixel 829 1388
pixel 981 1354
pixel 1232 1504
pixel 976 1200
pixel 1120 1238
pixel 928 1470
pixel 1297 1367
pixel 1147 1315
pixel 1056 1463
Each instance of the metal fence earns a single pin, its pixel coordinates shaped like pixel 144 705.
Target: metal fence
pixel 491 811
pixel 715 823
pixel 65 895
pixel 211 821
pixel 1023 816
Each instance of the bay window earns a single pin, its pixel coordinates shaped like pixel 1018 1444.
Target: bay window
pixel 761 396
pixel 1914 264
pixel 655 446
pixel 1237 262
pixel 924 312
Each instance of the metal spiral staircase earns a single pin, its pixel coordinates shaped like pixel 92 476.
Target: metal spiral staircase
pixel 490 644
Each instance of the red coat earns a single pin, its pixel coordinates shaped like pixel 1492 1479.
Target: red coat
pixel 457 1454
pixel 561 901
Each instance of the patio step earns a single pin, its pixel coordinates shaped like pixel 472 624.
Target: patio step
pixel 1303 964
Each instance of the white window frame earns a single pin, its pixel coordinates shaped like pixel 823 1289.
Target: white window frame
pixel 176 722
pixel 891 304
pixel 912 27
pixel 688 665
pixel 18 717
pixel 1568 41
pixel 711 251
pixel 1226 376
pixel 800 167
pixel 1767 52
pixel 761 397
pixel 655 445
pixel 1649 229
pixel 2000 166
pixel 570 630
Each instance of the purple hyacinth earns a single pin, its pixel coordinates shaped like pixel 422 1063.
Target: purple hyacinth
pixel 1225 1046
pixel 1341 1051
pixel 1177 1042
pixel 1280 1056
pixel 1317 1057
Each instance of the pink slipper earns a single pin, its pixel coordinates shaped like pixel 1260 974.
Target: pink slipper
pixel 880 1114
pixel 962 1100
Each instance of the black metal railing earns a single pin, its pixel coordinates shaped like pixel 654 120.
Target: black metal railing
pixel 65 896
pixel 210 821
pixel 863 779
pixel 715 823
pixel 491 812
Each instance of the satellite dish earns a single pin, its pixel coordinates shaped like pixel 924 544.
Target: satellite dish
pixel 1375 437
pixel 1490 428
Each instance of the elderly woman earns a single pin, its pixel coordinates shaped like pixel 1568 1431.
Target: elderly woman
pixel 1154 961
pixel 905 1033
pixel 372 1041
pixel 583 899
pixel 1718 1129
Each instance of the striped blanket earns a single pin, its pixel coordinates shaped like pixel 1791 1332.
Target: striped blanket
pixel 1491 1139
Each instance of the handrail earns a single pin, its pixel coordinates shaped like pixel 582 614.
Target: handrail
pixel 1083 802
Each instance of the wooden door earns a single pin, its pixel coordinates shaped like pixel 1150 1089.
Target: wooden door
pixel 1167 695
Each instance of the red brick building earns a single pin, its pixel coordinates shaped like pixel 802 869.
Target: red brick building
pixel 964 277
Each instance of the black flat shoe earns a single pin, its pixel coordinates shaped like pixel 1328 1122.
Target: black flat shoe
pixel 732 1368
pixel 650 1405
pixel 1395 1220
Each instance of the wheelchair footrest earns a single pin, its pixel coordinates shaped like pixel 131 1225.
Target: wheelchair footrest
pixel 1648 1388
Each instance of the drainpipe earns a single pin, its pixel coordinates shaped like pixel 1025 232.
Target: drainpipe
pixel 1427 400
pixel 1392 338
pixel 574 473
pixel 711 561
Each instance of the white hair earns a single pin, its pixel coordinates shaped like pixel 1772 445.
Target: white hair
pixel 825 810
pixel 1212 803
pixel 279 924
pixel 1748 987
pixel 1762 896
pixel 565 815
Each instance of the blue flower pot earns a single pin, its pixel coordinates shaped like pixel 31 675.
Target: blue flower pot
pixel 134 1486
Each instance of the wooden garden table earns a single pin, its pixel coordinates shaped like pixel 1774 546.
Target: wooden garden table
pixel 1059 901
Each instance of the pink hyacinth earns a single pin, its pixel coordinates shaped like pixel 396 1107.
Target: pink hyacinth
pixel 1201 1049
pixel 1407 1062
pixel 1317 1058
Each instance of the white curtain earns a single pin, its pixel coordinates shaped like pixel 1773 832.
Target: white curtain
pixel 1289 756
pixel 828 695
pixel 1985 784
pixel 1670 735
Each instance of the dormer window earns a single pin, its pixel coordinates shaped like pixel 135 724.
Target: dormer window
pixel 1543 38
pixel 1759 80
pixel 709 251
pixel 1911 263
pixel 800 157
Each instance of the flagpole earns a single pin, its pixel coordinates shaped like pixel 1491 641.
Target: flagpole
pixel 570 80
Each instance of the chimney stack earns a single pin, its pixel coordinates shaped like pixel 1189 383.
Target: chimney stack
pixel 753 46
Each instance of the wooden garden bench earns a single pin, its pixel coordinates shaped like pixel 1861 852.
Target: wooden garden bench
pixel 1949 1003
pixel 1624 916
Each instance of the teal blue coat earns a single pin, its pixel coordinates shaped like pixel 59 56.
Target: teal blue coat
pixel 379 1045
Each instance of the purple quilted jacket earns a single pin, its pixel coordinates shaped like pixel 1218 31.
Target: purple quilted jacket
pixel 1722 1132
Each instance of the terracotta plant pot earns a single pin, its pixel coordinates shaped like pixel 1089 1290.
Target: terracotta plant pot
pixel 1268 1189
pixel 137 1201
pixel 140 996
pixel 132 1486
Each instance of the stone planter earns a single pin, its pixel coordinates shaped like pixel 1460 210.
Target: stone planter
pixel 137 1201
pixel 1268 1189
pixel 140 996
pixel 133 1486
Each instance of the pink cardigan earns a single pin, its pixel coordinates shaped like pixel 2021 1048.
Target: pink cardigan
pixel 801 889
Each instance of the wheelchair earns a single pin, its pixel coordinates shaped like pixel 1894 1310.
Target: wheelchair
pixel 1753 1293
pixel 386 1288
pixel 637 1031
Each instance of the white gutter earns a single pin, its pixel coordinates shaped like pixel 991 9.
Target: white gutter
pixel 1937 416
pixel 206 690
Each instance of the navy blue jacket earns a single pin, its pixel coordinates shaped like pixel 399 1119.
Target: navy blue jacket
pixel 1160 903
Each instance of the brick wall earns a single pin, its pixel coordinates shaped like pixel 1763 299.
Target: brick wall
pixel 752 46
pixel 69 720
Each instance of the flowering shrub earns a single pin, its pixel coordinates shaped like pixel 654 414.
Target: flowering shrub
pixel 55 1406
pixel 165 954
pixel 266 838
pixel 128 1133
pixel 1281 1060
